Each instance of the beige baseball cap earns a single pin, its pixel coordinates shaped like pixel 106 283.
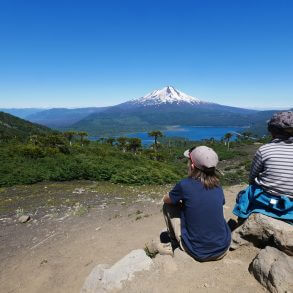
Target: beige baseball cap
pixel 202 157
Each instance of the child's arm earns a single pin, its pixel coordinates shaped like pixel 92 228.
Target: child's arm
pixel 167 199
pixel 174 196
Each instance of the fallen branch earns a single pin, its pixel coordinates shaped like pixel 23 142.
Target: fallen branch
pixel 43 241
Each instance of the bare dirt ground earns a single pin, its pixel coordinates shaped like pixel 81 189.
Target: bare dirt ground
pixel 76 225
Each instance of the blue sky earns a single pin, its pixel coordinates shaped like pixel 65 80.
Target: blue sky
pixel 56 53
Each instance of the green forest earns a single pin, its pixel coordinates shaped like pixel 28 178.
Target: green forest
pixel 69 156
pixel 31 153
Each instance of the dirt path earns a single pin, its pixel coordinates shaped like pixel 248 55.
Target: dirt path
pixel 55 252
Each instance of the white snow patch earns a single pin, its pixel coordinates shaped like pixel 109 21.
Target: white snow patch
pixel 166 95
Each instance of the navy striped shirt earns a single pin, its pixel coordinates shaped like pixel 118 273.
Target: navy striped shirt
pixel 272 167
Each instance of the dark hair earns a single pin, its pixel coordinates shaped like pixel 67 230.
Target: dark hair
pixel 280 132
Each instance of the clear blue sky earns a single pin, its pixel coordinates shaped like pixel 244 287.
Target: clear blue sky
pixel 56 53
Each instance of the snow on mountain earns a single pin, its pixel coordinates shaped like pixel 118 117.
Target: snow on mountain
pixel 166 95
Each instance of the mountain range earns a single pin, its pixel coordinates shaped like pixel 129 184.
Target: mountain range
pixel 163 108
pixel 156 110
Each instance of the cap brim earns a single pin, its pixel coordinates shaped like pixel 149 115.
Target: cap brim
pixel 186 154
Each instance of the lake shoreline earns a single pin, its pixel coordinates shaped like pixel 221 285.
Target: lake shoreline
pixel 191 133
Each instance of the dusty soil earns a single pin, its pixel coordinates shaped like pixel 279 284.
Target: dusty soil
pixel 76 225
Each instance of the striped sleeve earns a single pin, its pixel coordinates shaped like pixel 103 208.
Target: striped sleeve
pixel 257 167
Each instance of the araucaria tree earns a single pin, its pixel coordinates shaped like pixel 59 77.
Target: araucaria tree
pixel 227 138
pixel 155 134
pixel 122 143
pixel 134 144
pixel 110 141
pixel 69 135
pixel 82 135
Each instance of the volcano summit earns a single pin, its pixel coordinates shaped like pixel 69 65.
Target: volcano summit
pixel 159 109
pixel 166 95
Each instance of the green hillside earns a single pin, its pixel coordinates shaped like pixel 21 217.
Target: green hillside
pixel 117 121
pixel 14 127
pixel 145 119
pixel 258 121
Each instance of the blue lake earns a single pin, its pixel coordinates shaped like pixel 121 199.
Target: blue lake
pixel 191 133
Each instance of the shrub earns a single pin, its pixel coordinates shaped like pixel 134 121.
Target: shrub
pixel 31 151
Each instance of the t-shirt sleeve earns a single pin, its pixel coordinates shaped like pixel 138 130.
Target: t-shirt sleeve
pixel 176 193
pixel 257 167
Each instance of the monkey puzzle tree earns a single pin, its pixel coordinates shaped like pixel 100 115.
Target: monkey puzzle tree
pixel 110 140
pixel 227 138
pixel 134 144
pixel 155 134
pixel 122 143
pixel 82 135
pixel 69 135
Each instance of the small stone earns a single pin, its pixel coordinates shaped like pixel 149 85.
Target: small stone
pixel 78 190
pixel 44 261
pixel 98 228
pixel 24 218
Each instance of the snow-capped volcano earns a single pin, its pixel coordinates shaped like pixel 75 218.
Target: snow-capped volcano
pixel 166 95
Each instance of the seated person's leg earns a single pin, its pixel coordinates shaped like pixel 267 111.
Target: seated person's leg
pixel 172 214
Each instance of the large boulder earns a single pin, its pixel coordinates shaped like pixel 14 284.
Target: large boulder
pixel 261 230
pixel 274 270
pixel 103 279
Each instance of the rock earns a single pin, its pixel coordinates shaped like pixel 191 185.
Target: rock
pixel 78 190
pixel 274 270
pixel 261 231
pixel 165 264
pixel 44 261
pixel 24 218
pixel 103 279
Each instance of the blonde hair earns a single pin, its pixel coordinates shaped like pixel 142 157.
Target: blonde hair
pixel 207 177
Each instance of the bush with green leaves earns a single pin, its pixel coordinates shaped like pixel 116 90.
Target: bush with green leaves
pixel 52 158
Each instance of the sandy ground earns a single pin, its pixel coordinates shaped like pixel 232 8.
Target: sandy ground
pixel 56 252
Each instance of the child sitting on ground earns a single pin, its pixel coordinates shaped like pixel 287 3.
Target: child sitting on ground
pixel 193 210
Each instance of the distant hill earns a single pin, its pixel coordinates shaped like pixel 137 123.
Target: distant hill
pixel 156 110
pixel 160 109
pixel 21 112
pixel 11 126
pixel 62 117
pixel 258 121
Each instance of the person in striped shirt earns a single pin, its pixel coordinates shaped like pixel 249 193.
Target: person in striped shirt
pixel 270 189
